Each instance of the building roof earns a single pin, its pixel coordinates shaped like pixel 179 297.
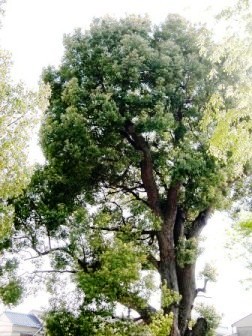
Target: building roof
pixel 24 320
pixel 245 321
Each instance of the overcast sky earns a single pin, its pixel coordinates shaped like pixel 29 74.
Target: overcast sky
pixel 33 31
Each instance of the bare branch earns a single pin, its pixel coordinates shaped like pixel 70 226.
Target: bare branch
pixel 202 289
pixel 16 120
pixel 53 271
pixel 47 252
pixel 133 193
pixel 120 229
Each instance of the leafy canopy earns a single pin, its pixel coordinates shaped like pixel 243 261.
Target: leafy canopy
pixel 134 111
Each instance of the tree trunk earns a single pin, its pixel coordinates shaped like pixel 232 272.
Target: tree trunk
pixel 187 289
pixel 168 272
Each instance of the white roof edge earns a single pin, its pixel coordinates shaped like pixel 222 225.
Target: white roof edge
pixel 234 324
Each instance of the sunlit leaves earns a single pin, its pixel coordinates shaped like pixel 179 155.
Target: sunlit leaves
pixel 209 273
pixel 187 251
pixel 19 112
pixel 119 270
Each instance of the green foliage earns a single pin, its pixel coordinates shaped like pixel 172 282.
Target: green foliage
pixel 212 317
pixel 238 44
pixel 187 251
pixel 246 225
pixel 63 322
pixel 90 323
pixel 168 296
pixel 230 139
pixel 122 328
pixel 135 110
pixel 161 324
pixel 118 73
pixel 11 292
pixel 120 269
pixel 209 273
pixel 19 111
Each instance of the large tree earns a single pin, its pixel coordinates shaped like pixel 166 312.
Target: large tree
pixel 136 163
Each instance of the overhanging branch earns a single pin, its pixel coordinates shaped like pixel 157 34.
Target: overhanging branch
pixel 121 229
pixel 133 192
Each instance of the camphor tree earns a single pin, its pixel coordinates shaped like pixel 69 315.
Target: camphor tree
pixel 136 163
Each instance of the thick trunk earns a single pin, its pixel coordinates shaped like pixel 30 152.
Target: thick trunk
pixel 180 280
pixel 167 260
pixel 167 269
pixel 187 289
pixel 167 253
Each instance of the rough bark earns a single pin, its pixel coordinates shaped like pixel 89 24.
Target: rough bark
pixel 198 224
pixel 186 284
pixel 166 240
pixel 178 279
pixel 167 265
pixel 179 226
pixel 146 166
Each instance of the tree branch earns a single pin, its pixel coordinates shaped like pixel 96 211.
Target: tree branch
pixel 179 225
pixel 202 289
pixel 120 229
pixel 198 224
pixel 131 191
pixel 44 253
pixel 153 261
pixel 146 166
pixel 54 271
pixel 140 305
pixel 170 210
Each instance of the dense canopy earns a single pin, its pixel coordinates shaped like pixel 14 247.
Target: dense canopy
pixel 136 162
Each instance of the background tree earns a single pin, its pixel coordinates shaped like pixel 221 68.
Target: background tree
pixel 238 21
pixel 19 111
pixel 136 164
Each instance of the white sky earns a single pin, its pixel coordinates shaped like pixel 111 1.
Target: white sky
pixel 33 30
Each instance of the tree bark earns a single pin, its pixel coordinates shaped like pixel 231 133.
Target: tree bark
pixel 177 279
pixel 167 264
pixel 187 289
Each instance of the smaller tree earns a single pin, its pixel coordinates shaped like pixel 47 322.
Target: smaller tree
pixel 211 317
pixel 20 110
